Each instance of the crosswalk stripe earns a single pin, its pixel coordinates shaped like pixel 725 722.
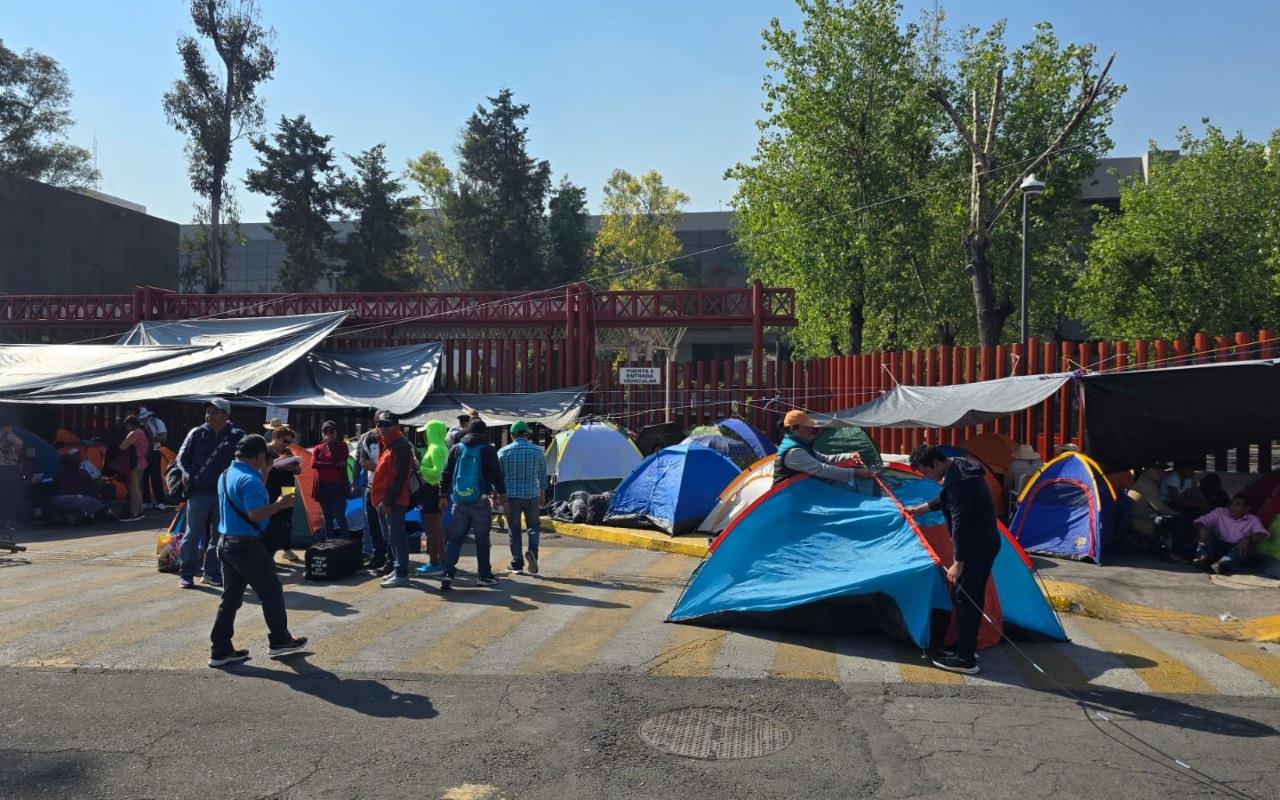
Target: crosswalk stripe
pixel 914 669
pixel 455 647
pixel 1060 671
pixel 998 668
pixel 42 619
pixel 537 629
pixel 866 659
pixel 689 652
pixel 1104 669
pixel 1161 671
pixel 1248 656
pixel 1223 674
pixel 573 648
pixel 806 657
pixel 29 599
pixel 746 653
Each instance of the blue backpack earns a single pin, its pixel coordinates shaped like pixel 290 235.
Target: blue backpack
pixel 466 476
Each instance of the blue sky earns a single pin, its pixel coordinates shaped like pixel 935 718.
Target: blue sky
pixel 672 86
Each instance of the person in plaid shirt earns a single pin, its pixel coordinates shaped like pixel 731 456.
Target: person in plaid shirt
pixel 525 471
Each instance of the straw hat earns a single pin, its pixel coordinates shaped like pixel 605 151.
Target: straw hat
pixel 278 425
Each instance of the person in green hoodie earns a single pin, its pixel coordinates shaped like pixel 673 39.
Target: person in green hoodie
pixel 433 462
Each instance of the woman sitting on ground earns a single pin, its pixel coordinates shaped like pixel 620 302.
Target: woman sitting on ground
pixel 75 494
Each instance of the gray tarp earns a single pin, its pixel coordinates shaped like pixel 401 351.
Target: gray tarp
pixel 950 406
pixel 556 409
pixel 203 366
pixel 32 367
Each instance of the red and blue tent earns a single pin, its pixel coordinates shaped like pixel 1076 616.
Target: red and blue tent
pixel 838 558
pixel 1067 508
pixel 672 490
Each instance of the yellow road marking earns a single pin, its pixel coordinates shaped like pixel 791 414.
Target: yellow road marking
pixel 1259 662
pixel 454 648
pixel 806 657
pixel 61 585
pixel 689 652
pixel 917 670
pixel 1055 662
pixel 573 648
pixel 103 607
pixel 364 630
pixel 1162 672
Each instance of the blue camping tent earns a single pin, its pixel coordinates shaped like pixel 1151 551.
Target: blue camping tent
pixel 739 452
pixel 671 490
pixel 818 556
pixel 760 443
pixel 44 459
pixel 1067 508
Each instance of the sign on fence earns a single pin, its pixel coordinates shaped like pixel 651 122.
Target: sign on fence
pixel 643 376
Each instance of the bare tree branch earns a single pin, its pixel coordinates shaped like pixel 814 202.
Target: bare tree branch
pixel 961 128
pixel 989 148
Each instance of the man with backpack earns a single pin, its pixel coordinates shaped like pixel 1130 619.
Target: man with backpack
pixel 205 454
pixel 471 481
pixel 390 493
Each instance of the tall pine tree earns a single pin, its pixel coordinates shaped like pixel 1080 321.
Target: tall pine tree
pixel 297 171
pixel 568 235
pixel 380 255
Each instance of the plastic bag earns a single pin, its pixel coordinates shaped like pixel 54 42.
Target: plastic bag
pixel 168 551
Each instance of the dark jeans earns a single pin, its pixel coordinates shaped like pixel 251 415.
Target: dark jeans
pixel 465 517
pixel 396 544
pixel 373 525
pixel 1231 556
pixel 246 562
pixel 153 488
pixel 969 597
pixel 526 507
pixel 333 508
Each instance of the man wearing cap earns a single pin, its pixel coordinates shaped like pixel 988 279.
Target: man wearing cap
pixel 153 487
pixel 471 476
pixel 796 454
pixel 245 509
pixel 456 433
pixel 205 454
pixel 390 493
pixel 368 448
pixel 975 540
pixel 524 468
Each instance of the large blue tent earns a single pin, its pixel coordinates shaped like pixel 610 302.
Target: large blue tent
pixel 1067 508
pixel 817 556
pixel 672 490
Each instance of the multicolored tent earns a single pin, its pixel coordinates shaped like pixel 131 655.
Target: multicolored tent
pixel 592 456
pixel 1067 508
pixel 817 556
pixel 748 487
pixel 672 490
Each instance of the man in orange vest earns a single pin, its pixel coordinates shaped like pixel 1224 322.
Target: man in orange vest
pixel 390 493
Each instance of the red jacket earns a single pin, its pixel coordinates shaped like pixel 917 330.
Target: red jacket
pixel 330 462
pixel 391 476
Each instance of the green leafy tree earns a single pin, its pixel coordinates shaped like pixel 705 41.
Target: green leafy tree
pixel 567 247
pixel 380 255
pixel 1194 247
pixel 195 249
pixel 35 114
pixel 491 209
pixel 637 242
pixel 846 126
pixel 1042 108
pixel 297 171
pixel 215 106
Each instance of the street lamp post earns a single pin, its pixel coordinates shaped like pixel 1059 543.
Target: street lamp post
pixel 1030 187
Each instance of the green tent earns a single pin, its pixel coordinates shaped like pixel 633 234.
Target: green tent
pixel 848 439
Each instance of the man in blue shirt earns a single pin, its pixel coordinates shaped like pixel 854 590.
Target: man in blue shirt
pixel 525 469
pixel 205 454
pixel 245 509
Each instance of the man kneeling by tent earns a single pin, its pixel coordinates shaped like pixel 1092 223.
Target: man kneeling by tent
pixel 971 516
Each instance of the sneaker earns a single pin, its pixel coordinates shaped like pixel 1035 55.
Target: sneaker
pixel 956 664
pixel 532 561
pixel 427 569
pixel 294 645
pixel 211 581
pixel 160 507
pixel 292 557
pixel 186 583
pixel 230 658
pixel 131 518
pixel 374 564
pixel 952 654
pixel 1220 569
pixel 446 583
pixel 394 582
pixel 488 581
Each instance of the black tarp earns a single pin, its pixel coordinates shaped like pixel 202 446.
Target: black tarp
pixel 1139 417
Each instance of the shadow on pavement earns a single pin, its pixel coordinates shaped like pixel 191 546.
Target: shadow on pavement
pixel 362 695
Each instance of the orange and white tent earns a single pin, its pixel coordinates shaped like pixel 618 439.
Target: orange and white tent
pixel 748 487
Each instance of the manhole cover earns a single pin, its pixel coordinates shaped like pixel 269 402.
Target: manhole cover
pixel 715 733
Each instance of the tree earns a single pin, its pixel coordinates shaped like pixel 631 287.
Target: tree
pixel 1194 247
pixel 637 240
pixel 846 126
pixel 1021 118
pixel 214 107
pixel 35 114
pixel 568 236
pixel 195 250
pixel 380 256
pixel 298 173
pixel 492 209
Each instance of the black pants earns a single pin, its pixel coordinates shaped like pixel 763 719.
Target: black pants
pixel 153 488
pixel 245 562
pixel 969 598
pixel 373 524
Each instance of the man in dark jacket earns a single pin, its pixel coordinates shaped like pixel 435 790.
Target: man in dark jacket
pixel 205 454
pixel 971 515
pixel 473 483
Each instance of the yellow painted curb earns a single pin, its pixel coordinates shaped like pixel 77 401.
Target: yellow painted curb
pixel 694 546
pixel 1089 602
